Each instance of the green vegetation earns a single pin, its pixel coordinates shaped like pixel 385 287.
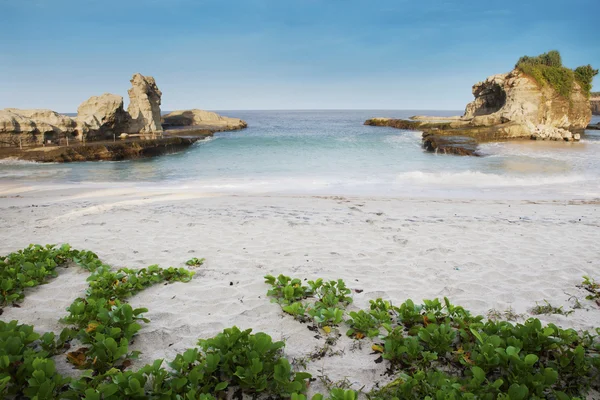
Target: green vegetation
pixel 509 315
pixel 547 69
pixel 327 309
pixel 434 350
pixel 195 262
pixel 105 324
pixel 437 350
pixel 548 308
pixel 29 267
pixel 593 287
pixel 368 323
pixel 234 358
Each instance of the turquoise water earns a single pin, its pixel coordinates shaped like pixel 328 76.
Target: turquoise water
pixel 331 152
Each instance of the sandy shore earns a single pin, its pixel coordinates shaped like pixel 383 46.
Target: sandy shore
pixel 481 254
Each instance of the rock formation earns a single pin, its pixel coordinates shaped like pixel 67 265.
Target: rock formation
pixel 28 127
pixel 98 118
pixel 144 105
pixel 517 98
pixel 201 119
pixel 595 103
pixel 102 116
pixel 101 151
pixel 506 107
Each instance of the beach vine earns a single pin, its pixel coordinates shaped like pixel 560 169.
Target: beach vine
pixel 434 350
pixel 437 350
pixel 105 325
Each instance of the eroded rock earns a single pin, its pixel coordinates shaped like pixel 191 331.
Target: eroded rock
pixel 144 105
pixel 102 116
pixel 516 97
pixel 201 119
pixel 595 103
pixel 509 106
pixel 29 127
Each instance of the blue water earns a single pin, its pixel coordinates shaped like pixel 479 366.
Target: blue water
pixel 332 152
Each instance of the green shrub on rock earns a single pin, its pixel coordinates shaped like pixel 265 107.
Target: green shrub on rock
pixel 547 69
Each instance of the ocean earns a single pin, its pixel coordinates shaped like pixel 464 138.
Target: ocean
pixel 331 152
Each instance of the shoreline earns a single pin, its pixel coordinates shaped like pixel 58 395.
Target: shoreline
pixel 520 189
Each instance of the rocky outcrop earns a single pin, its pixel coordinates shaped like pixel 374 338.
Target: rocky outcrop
pixel 595 104
pixel 518 98
pixel 201 120
pixel 506 107
pixel 101 151
pixel 98 118
pixel 144 105
pixel 102 116
pixel 31 127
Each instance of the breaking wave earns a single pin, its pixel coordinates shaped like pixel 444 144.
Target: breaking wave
pixel 483 180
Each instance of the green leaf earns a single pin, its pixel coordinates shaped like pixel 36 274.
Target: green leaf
pixel 531 359
pixel 134 385
pixel 517 392
pixel 478 374
pixel 108 389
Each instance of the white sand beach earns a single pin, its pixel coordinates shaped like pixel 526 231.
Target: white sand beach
pixel 481 254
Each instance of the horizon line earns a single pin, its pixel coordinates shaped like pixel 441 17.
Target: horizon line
pixel 306 109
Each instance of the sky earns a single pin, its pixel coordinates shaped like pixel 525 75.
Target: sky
pixel 281 54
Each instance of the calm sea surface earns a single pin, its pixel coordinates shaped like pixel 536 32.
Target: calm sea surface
pixel 331 152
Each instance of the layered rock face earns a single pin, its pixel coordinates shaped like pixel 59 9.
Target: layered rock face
pixel 144 105
pixel 98 118
pixel 595 104
pixel 28 127
pixel 203 120
pixel 517 98
pixel 506 107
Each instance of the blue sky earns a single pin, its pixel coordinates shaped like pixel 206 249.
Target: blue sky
pixel 281 54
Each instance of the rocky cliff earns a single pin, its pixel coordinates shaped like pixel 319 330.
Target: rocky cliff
pixel 98 118
pixel 506 107
pixel 518 98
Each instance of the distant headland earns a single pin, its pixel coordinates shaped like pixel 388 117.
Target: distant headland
pixel 595 102
pixel 103 130
pixel 539 99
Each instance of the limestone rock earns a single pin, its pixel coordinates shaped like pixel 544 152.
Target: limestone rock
pixel 144 105
pixel 516 97
pixel 506 107
pixel 595 103
pixel 34 121
pixel 547 132
pixel 33 126
pixel 102 116
pixel 202 119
